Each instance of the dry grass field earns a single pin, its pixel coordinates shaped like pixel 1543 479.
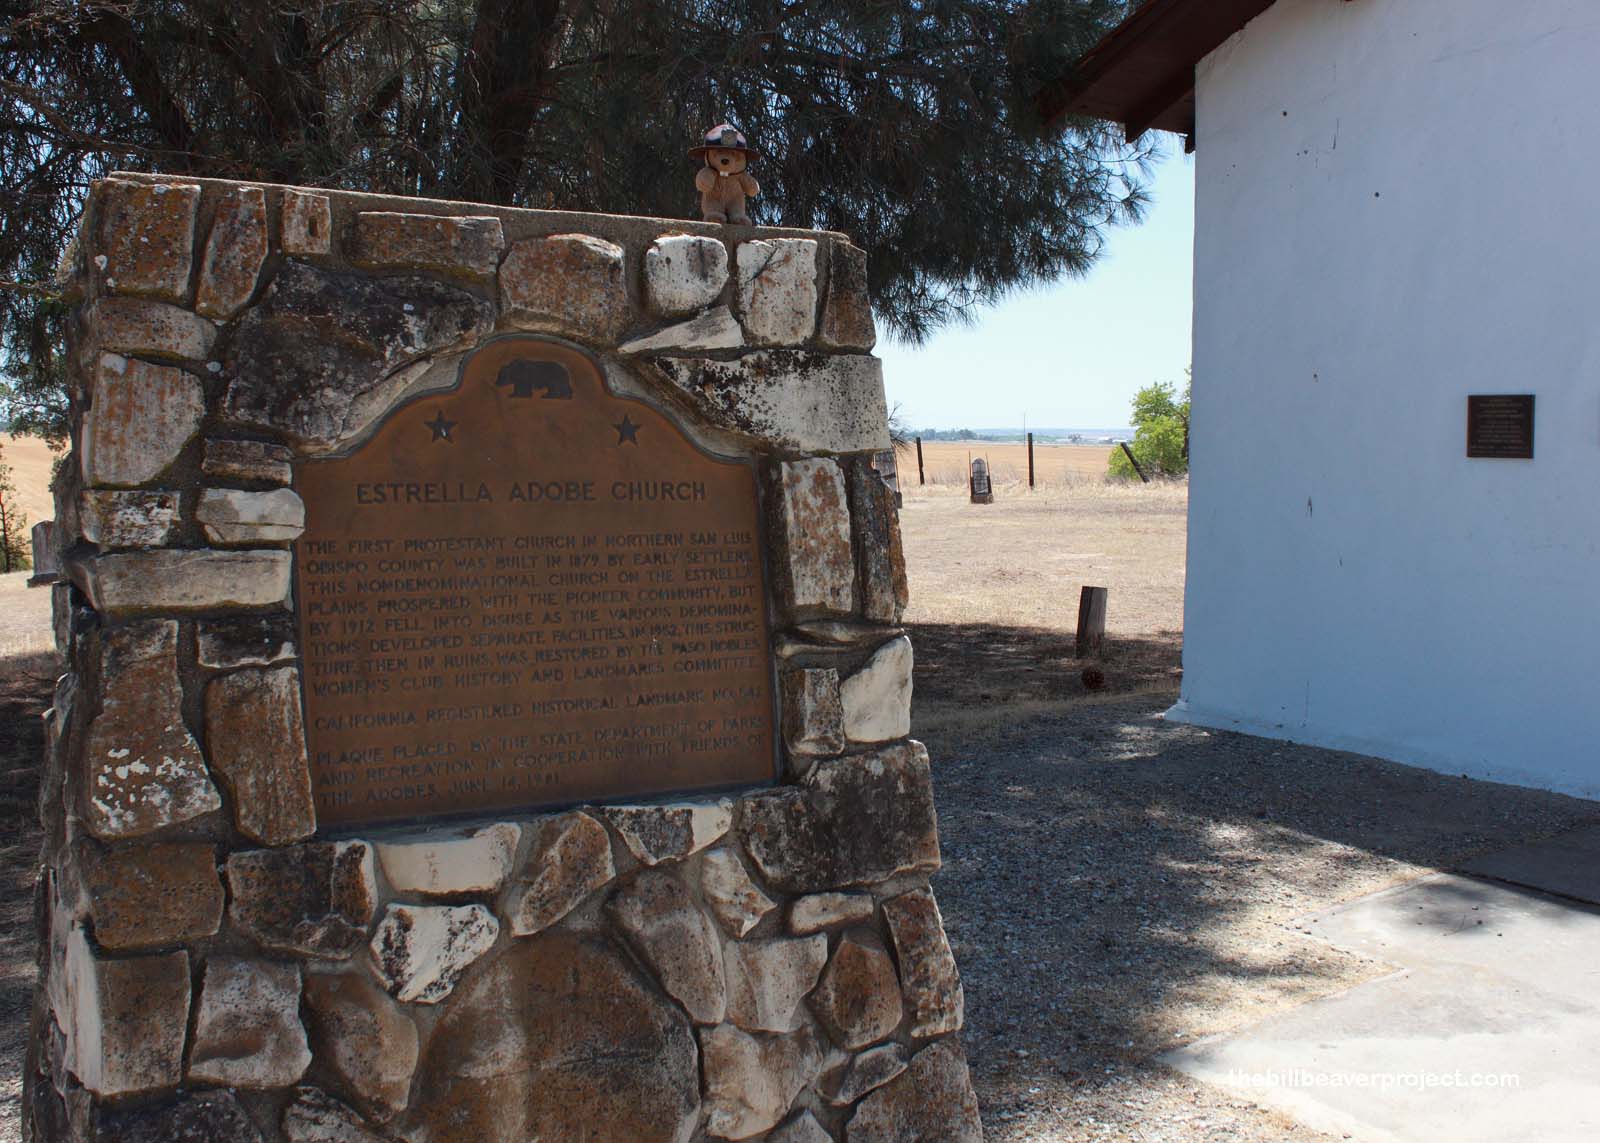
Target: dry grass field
pixel 31 461
pixel 994 590
pixel 945 463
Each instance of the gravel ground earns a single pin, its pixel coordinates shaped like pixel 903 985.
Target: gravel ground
pixel 1115 885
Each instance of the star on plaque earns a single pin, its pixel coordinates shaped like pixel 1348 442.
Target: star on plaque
pixel 627 431
pixel 441 427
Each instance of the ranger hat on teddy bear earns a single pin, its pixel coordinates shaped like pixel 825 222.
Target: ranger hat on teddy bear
pixel 723 182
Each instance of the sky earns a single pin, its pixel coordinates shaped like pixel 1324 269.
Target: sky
pixel 1070 355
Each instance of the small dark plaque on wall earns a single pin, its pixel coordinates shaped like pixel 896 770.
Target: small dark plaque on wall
pixel 1500 427
pixel 528 591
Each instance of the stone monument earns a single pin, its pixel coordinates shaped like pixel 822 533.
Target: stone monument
pixel 46 567
pixel 486 712
pixel 979 487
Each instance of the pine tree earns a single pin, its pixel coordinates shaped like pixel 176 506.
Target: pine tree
pixel 908 124
pixel 16 548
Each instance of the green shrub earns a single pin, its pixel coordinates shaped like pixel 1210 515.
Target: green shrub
pixel 1161 436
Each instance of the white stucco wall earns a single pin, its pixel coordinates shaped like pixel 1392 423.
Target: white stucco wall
pixel 1398 204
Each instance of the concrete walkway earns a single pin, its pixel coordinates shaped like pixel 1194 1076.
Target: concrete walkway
pixel 1488 1030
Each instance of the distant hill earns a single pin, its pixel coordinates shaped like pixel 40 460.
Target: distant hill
pixel 31 461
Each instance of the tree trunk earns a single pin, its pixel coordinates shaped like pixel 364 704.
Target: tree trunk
pixel 506 79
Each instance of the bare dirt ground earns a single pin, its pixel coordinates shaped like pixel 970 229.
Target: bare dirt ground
pixel 1114 885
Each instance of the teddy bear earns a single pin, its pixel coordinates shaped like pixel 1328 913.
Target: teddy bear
pixel 723 182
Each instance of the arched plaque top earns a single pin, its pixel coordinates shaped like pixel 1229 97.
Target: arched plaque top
pixel 527 591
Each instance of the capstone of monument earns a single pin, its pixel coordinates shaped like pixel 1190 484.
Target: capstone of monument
pixel 486 712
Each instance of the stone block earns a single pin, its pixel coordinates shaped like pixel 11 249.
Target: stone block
pixel 671 832
pixel 141 327
pixel 813 716
pixel 124 1020
pixel 570 859
pixel 792 400
pixel 468 245
pixel 714 329
pixel 884 588
pixel 315 900
pixel 928 973
pixel 146 896
pixel 776 290
pixel 204 1117
pixel 751 1083
pixel 932 1101
pixel 316 1117
pixel 820 912
pixel 61 612
pixel 112 518
pixel 684 273
pixel 734 897
pixel 768 980
pixel 139 419
pixel 247 1032
pixel 847 313
pixel 557 1037
pixel 364 1039
pixel 247 460
pixel 866 1073
pixel 143 237
pixel 234 253
pixel 817 571
pixel 877 698
pixel 170 580
pixel 257 743
pixel 233 516
pixel 143 769
pixel 676 940
pixel 450 862
pixel 420 951
pixel 305 223
pixel 859 1000
pixel 803 1128
pixel 323 354
pixel 569 284
pixel 245 641
pixel 858 820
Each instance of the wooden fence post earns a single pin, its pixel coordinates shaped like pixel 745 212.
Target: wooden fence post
pixel 920 478
pixel 1092 620
pixel 1134 461
pixel 1030 460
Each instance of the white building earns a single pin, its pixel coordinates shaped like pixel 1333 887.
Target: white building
pixel 1398 207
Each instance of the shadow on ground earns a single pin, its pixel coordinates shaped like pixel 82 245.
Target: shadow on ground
pixel 981 664
pixel 1115 885
pixel 25 687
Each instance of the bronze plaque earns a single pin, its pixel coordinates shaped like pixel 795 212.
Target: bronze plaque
pixel 528 591
pixel 1500 427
